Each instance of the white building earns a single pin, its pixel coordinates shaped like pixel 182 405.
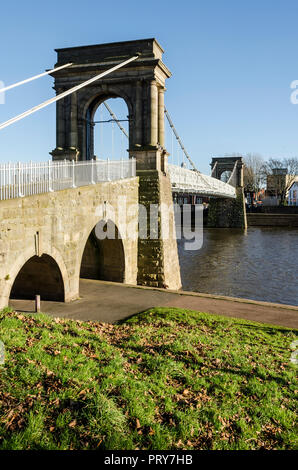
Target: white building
pixel 293 194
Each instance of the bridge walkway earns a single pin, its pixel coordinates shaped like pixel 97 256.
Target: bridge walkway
pixel 109 302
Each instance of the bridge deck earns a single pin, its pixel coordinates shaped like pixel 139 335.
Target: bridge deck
pixel 189 181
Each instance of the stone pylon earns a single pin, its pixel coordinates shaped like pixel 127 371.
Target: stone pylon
pixel 141 84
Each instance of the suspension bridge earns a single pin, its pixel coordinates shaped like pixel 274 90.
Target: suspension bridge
pixel 29 178
pixel 49 209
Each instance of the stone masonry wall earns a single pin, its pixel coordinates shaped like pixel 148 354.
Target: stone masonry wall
pixel 228 212
pixel 58 224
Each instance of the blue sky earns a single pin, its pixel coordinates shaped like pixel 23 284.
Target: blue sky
pixel 232 64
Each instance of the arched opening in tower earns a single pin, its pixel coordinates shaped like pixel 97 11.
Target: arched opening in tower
pixel 225 175
pixel 107 129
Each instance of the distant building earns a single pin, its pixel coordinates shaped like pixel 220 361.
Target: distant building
pixel 277 181
pixel 293 194
pixel 278 184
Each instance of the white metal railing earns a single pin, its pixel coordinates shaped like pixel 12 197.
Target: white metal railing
pixel 184 180
pixel 26 179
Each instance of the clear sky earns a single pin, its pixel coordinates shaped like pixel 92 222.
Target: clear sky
pixel 232 64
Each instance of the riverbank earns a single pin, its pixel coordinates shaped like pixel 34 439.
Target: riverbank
pixel 110 302
pixel 272 220
pixel 267 216
pixel 165 379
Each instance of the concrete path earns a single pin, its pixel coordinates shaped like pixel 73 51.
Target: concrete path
pixel 108 302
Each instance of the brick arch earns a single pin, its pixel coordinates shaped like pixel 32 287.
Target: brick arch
pixel 39 275
pixel 102 259
pixel 51 256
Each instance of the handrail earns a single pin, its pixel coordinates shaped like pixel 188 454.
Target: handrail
pixel 27 179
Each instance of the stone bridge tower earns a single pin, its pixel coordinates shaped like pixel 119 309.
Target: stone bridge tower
pixel 141 84
pixel 220 165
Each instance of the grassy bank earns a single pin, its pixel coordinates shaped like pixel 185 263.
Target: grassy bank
pixel 165 379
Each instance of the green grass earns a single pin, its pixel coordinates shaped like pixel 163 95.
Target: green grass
pixel 164 379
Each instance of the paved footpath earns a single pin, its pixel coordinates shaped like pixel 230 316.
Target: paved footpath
pixel 108 302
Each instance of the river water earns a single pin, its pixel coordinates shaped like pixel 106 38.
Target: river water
pixel 260 264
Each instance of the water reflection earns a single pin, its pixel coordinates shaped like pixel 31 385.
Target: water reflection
pixel 260 264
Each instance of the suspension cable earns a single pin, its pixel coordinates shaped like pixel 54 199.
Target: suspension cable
pixel 34 78
pixel 115 119
pixel 213 169
pixel 179 140
pixel 65 93
pixel 113 140
pixel 172 137
pixel 233 173
pixel 113 115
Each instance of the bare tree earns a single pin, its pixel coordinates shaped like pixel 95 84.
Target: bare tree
pixel 253 172
pixel 281 173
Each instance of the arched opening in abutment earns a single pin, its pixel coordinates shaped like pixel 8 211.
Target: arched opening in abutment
pixel 40 275
pixel 103 259
pixel 107 120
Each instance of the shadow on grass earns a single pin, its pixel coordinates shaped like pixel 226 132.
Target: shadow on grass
pixel 238 321
pixel 272 329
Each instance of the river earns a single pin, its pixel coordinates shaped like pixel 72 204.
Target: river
pixel 260 264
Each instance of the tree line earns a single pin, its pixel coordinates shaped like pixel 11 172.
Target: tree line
pixel 257 170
